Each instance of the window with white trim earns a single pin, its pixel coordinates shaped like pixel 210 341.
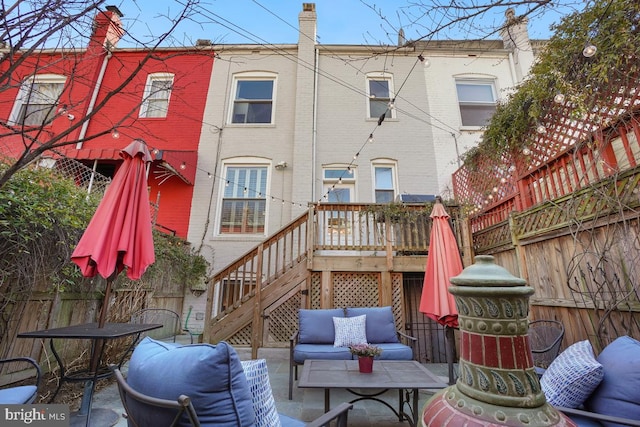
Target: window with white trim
pixel 339 184
pixel 244 200
pixel 477 99
pixel 157 91
pixel 253 99
pixel 384 183
pixel 37 100
pixel 380 93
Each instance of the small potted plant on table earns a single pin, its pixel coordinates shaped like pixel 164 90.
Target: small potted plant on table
pixel 365 353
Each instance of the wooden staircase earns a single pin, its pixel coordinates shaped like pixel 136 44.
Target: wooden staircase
pixel 239 294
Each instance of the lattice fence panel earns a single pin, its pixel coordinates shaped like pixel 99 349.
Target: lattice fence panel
pixel 242 337
pixel 597 201
pixel 314 292
pixel 497 236
pixel 355 289
pixel 283 320
pixel 397 297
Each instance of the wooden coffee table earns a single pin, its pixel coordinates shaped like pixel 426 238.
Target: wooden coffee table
pixel 407 376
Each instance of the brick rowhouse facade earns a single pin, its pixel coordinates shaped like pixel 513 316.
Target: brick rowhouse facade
pixel 90 78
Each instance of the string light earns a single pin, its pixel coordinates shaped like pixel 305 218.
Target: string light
pixel 589 50
pixel 183 166
pixel 115 134
pixel 369 140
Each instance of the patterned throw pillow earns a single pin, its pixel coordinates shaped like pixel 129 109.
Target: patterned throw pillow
pixel 263 403
pixel 572 376
pixel 350 330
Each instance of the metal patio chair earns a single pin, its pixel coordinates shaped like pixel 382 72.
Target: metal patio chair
pixel 168 318
pixel 21 394
pixel 545 337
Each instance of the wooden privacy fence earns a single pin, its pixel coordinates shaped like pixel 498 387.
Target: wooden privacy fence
pixel 45 310
pixel 581 253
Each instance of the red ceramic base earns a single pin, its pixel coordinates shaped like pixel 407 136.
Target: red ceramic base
pixel 450 408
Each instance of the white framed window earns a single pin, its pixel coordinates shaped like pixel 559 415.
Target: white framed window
pixel 339 184
pixel 253 98
pixel 243 207
pixel 384 179
pixel 157 91
pixel 37 100
pixel 477 99
pixel 380 94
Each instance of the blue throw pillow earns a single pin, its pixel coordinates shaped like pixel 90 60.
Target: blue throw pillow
pixel 572 376
pixel 316 326
pixel 619 392
pixel 264 404
pixel 211 375
pixel 381 327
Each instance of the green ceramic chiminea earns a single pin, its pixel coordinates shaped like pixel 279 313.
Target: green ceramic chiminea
pixel 497 384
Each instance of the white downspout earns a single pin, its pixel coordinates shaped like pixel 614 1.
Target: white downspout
pixel 315 127
pixel 94 96
pixel 512 68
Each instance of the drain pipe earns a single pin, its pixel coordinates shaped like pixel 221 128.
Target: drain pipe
pixel 314 142
pixel 94 96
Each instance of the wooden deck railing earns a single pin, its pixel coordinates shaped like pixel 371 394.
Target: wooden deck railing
pixel 361 227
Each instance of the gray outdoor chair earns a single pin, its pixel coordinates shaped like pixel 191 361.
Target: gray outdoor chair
pixel 22 394
pixel 168 318
pixel 545 337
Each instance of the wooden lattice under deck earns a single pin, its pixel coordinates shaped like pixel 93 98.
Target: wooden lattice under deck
pixel 314 292
pixel 283 320
pixel 355 289
pixel 397 295
pixel 242 337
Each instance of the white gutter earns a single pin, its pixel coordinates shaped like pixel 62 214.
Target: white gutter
pixel 94 96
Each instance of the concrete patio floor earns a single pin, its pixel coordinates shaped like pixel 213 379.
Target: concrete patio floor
pixel 307 404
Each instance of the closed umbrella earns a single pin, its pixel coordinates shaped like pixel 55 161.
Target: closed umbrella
pixel 119 234
pixel 443 262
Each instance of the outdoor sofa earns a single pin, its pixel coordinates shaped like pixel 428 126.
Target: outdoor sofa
pixel 325 334
pixel 596 392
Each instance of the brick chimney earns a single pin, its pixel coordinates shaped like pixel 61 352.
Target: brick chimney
pixel 107 29
pixel 516 39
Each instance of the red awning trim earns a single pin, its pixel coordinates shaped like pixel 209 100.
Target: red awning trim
pixel 180 163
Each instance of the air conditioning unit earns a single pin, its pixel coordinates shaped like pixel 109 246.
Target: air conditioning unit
pixel 415 198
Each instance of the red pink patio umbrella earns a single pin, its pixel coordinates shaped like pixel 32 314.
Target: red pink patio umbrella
pixel 119 233
pixel 443 262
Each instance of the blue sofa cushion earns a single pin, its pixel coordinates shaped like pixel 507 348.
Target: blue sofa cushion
pixel 572 376
pixel 302 352
pixel 395 351
pixel 619 392
pixel 381 327
pixel 17 395
pixel 286 421
pixel 316 326
pixel 211 375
